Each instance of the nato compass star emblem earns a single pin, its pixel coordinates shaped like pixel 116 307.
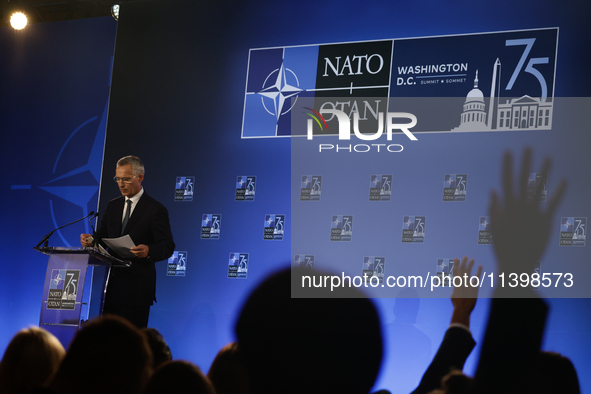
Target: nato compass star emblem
pixel 270 221
pixel 566 225
pixel 484 224
pixel 240 182
pixel 68 186
pixel 278 91
pixel 56 280
pixel 449 181
pixel 408 223
pixel 336 223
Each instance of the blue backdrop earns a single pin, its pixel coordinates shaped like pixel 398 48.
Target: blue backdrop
pixel 54 91
pixel 177 101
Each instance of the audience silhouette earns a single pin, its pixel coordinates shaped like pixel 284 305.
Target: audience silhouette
pixel 228 371
pixel 160 350
pixel 30 361
pixel 309 345
pixel 179 377
pixel 331 343
pixel 552 373
pixel 107 355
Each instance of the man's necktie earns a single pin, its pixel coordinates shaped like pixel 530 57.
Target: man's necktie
pixel 126 217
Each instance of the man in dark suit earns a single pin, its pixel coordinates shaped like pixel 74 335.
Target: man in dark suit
pixel 132 290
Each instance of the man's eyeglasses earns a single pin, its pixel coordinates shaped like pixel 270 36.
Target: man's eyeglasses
pixel 124 180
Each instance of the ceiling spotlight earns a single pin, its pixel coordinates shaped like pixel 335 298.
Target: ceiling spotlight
pixel 18 21
pixel 115 11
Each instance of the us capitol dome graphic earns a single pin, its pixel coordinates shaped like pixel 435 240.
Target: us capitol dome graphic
pixel 524 112
pixel 474 116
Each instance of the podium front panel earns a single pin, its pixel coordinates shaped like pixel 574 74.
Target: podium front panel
pixel 62 294
pixel 74 289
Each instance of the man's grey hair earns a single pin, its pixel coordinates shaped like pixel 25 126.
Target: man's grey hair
pixel 137 167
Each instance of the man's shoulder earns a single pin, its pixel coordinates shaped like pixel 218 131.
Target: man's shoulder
pixel 152 202
pixel 116 200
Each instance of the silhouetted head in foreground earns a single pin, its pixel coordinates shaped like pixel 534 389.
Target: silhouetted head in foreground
pixel 160 349
pixel 179 377
pixel 108 355
pixel 30 360
pixel 228 371
pixel 319 345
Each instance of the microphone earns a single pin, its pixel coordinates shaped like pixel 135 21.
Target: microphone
pixel 45 239
pixel 93 229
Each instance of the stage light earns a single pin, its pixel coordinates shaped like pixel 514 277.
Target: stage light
pixel 115 11
pixel 18 21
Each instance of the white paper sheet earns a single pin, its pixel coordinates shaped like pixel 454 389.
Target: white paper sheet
pixel 121 245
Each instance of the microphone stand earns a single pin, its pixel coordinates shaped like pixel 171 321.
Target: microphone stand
pixel 45 239
pixel 91 226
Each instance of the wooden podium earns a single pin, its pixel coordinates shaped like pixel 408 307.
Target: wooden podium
pixel 75 287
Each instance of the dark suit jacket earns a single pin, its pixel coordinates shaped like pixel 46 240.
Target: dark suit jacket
pixel 452 354
pixel 511 344
pixel 512 341
pixel 148 225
